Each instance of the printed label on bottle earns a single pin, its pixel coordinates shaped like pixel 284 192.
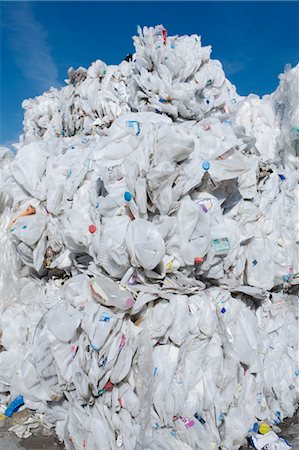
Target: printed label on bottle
pixel 225 155
pixel 206 204
pixel 187 422
pixel 221 245
pixel 199 418
pixel 212 184
pixel 114 173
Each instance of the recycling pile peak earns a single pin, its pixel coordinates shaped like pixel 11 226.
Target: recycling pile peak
pixel 168 75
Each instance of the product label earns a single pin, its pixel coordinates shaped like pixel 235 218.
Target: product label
pixel 114 173
pixel 187 422
pixel 206 204
pixel 225 155
pixel 212 185
pixel 221 245
pixel 198 417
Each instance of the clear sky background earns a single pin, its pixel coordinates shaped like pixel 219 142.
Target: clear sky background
pixel 41 40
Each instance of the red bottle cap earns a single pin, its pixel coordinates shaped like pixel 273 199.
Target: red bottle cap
pixel 108 386
pixel 92 228
pixel 198 260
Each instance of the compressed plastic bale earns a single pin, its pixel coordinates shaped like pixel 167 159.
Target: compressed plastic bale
pixel 177 194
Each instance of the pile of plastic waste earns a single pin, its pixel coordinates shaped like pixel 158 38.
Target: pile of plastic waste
pixel 149 255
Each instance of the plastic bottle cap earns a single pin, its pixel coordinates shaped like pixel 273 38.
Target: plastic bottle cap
pixel 198 260
pixel 128 196
pixel 255 427
pixel 206 165
pixel 223 310
pixel 264 428
pixel 172 46
pixel 92 228
pixel 108 386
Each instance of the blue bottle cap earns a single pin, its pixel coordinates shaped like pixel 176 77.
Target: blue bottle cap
pixel 255 427
pixel 281 176
pixel 206 165
pixel 223 310
pixel 128 196
pixel 172 46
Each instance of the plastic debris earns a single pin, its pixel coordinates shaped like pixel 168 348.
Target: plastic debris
pixel 14 406
pixel 269 441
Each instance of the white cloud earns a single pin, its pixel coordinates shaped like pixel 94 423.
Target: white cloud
pixel 232 67
pixel 28 40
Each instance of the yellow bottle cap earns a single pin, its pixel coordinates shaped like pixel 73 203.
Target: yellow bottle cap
pixel 264 428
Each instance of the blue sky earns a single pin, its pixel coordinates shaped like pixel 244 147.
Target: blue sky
pixel 40 40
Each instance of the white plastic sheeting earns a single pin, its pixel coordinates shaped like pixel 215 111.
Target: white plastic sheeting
pixel 149 230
